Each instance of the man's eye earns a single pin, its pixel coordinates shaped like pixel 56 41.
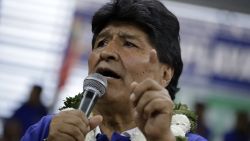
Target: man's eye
pixel 129 44
pixel 102 43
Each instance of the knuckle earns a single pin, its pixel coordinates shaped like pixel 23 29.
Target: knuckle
pixel 53 136
pixel 148 109
pixel 148 81
pixel 168 101
pixel 65 112
pixel 138 108
pixel 166 93
pixel 79 136
pixel 78 121
pixel 81 115
pixel 172 104
pixel 79 112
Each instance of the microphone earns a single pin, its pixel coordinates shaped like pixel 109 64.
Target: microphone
pixel 94 87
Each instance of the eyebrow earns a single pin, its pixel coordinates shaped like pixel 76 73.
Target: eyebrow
pixel 123 35
pixel 104 34
pixel 126 35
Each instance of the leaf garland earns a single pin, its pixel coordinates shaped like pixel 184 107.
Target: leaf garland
pixel 72 102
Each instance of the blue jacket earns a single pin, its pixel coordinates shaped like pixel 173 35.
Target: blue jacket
pixel 40 130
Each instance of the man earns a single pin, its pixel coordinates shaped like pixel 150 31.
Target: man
pixel 33 107
pixel 240 130
pixel 136 47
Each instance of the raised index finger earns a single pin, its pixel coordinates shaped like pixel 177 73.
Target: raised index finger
pixel 139 88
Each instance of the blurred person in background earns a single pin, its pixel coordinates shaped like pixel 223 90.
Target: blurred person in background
pixel 202 129
pixel 32 110
pixel 12 130
pixel 240 132
pixel 136 47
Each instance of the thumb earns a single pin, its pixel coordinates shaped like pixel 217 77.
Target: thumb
pixel 95 121
pixel 153 57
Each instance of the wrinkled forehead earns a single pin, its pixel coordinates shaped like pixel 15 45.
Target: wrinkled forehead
pixel 124 30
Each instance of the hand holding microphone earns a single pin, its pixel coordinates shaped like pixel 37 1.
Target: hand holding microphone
pixel 73 125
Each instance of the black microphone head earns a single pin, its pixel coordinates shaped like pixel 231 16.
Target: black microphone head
pixel 97 82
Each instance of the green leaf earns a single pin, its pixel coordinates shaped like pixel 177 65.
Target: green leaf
pixel 179 138
pixel 72 102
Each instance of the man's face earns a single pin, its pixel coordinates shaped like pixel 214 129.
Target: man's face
pixel 123 53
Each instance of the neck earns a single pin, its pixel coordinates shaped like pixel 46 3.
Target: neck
pixel 117 119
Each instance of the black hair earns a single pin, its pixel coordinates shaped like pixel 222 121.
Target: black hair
pixel 37 89
pixel 161 26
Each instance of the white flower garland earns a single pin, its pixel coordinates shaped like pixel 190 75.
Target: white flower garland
pixel 180 125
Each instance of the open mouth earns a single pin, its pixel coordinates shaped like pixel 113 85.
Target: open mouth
pixel 108 73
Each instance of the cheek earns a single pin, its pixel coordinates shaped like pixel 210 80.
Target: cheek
pixel 142 74
pixel 138 68
pixel 93 59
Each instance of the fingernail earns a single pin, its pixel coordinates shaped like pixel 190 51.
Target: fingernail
pixel 132 97
pixel 153 50
pixel 133 83
pixel 135 113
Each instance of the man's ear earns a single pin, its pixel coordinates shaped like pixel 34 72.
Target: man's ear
pixel 167 74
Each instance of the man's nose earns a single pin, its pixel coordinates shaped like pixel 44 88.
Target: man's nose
pixel 110 52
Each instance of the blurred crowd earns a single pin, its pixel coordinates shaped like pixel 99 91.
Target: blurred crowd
pixel 239 132
pixel 29 113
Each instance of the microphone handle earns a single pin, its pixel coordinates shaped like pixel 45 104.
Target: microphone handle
pixel 88 101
